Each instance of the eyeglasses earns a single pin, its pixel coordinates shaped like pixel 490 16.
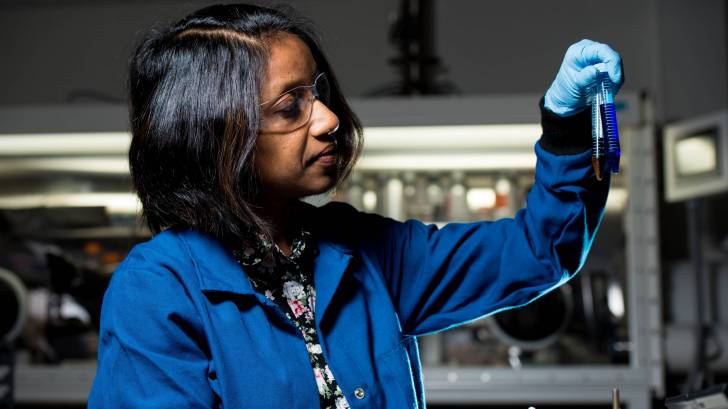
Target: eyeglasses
pixel 293 108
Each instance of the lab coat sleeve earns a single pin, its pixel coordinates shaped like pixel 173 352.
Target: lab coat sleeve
pixel 152 352
pixel 440 278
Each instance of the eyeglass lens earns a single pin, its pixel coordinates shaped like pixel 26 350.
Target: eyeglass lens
pixel 293 109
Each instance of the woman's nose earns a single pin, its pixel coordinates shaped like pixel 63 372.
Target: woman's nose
pixel 323 120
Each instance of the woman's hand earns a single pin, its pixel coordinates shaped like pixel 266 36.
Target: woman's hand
pixel 582 62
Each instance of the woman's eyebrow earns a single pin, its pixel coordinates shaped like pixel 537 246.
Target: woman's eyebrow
pixel 297 83
pixel 287 86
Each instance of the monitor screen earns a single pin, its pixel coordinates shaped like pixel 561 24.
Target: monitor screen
pixel 697 154
pixel 696 157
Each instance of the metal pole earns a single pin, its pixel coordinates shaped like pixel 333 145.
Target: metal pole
pixel 426 42
pixel 695 235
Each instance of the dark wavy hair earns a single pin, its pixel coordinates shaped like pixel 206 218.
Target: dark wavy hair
pixel 194 94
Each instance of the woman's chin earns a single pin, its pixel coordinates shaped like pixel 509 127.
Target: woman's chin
pixel 316 187
pixel 321 189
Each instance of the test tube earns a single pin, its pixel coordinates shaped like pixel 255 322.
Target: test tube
pixel 605 134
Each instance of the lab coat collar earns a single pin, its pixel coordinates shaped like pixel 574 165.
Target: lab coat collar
pixel 219 272
pixel 217 269
pixel 329 269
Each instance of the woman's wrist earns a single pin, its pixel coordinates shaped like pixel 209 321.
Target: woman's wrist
pixel 565 135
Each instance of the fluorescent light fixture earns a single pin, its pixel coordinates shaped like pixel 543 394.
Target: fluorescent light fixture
pixel 452 137
pixel 101 143
pixel 447 161
pixel 467 147
pixel 118 203
pixel 392 137
pixel 93 165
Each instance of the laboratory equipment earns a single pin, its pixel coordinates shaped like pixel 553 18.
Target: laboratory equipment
pixel 696 157
pixel 12 319
pixel 696 154
pixel 711 398
pixel 12 301
pixel 605 134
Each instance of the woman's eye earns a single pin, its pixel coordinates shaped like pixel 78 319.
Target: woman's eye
pixel 289 107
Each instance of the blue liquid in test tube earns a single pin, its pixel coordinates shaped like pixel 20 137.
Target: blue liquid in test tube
pixel 605 133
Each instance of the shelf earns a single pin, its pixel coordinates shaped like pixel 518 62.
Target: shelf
pixel 70 383
pixel 115 232
pixel 67 383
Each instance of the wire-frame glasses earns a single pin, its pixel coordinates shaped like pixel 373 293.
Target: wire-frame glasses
pixel 293 108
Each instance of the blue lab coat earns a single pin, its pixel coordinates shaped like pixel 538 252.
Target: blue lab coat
pixel 183 328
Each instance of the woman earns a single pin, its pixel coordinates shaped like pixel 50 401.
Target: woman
pixel 246 297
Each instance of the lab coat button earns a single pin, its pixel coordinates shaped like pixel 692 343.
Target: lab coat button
pixel 359 393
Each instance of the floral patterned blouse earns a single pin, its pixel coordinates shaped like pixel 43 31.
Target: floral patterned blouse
pixel 288 282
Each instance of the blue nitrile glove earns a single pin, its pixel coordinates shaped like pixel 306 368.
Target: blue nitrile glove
pixel 582 62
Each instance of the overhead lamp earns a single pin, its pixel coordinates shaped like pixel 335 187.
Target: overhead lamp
pixel 64 144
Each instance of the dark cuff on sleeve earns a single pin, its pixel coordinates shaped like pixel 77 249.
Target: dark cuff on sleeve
pixel 565 135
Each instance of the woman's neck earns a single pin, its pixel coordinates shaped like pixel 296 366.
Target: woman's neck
pixel 279 214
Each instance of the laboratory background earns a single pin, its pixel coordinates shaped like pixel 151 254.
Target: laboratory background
pixel 448 93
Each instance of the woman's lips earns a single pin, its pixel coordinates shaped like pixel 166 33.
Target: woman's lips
pixel 327 158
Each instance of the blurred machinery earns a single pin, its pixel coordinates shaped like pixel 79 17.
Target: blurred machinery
pixel 12 320
pixel 712 398
pixel 695 171
pixel 72 217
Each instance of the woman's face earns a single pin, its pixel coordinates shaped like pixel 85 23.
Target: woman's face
pixel 289 163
